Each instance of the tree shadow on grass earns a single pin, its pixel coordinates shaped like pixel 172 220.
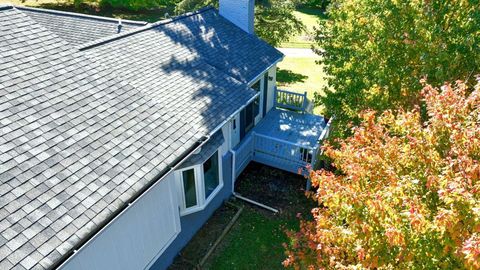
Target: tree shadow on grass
pixel 317 11
pixel 288 77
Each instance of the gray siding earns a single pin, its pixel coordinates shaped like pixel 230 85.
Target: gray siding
pixel 137 237
pixel 190 224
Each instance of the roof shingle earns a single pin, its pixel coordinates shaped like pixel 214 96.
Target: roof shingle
pixel 69 132
pixel 81 132
pixel 79 29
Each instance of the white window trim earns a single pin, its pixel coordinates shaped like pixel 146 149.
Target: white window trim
pixel 259 117
pixel 202 203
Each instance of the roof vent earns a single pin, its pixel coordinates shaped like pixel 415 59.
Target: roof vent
pixel 119 26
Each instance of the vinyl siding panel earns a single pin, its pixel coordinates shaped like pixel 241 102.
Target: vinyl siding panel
pixel 137 237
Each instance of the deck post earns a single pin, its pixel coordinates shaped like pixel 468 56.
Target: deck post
pixel 234 173
pixel 308 186
pixel 305 102
pixel 275 103
pixel 314 157
pixel 253 144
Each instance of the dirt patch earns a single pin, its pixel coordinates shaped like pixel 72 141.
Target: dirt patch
pixel 189 257
pixel 276 188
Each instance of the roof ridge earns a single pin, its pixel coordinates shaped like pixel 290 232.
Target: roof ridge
pixel 105 40
pixel 79 15
pixel 5 6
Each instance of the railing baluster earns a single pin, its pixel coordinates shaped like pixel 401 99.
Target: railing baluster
pixel 290 100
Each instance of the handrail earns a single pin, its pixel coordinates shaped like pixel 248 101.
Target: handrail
pixel 284 142
pixel 326 130
pixel 290 100
pixel 289 151
pixel 323 136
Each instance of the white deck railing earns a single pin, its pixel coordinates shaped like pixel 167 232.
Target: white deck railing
pixel 282 154
pixel 242 155
pixel 290 100
pixel 276 152
pixel 273 152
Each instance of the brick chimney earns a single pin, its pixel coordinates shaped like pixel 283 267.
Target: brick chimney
pixel 239 12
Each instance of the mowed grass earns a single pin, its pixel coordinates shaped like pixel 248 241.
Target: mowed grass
pixel 302 75
pixel 255 242
pixel 310 18
pixel 256 239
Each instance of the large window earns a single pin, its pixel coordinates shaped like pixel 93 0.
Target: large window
pixel 189 188
pixel 199 184
pixel 210 175
pixel 256 103
pixel 249 117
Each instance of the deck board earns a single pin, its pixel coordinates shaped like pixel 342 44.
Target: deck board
pixel 299 128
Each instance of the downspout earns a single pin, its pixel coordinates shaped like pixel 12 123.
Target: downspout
pixel 238 196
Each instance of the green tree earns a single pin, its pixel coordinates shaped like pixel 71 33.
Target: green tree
pixel 133 5
pixel 274 19
pixel 375 51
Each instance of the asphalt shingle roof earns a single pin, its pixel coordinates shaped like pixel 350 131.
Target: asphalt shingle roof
pixel 76 143
pixel 207 150
pixel 205 35
pixel 79 29
pixel 82 132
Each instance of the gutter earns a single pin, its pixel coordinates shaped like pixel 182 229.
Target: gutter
pixel 115 215
pixel 265 70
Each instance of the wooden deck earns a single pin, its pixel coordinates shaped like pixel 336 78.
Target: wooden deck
pixel 284 139
pixel 298 128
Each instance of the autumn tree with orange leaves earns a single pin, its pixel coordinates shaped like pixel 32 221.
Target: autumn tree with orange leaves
pixel 405 193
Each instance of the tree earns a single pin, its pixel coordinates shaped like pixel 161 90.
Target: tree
pixel 132 5
pixel 274 19
pixel 406 193
pixel 374 51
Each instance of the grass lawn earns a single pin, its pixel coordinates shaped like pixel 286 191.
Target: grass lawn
pixel 301 74
pixel 309 17
pixel 255 242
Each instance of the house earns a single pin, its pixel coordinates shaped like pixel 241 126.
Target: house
pixel 118 139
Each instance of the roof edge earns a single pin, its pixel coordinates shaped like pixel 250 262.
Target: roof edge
pixel 6 6
pixel 63 260
pixel 79 15
pixel 106 40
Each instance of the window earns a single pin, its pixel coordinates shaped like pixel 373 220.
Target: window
pixel 256 103
pixel 210 174
pixel 199 184
pixel 256 106
pixel 249 117
pixel 189 189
